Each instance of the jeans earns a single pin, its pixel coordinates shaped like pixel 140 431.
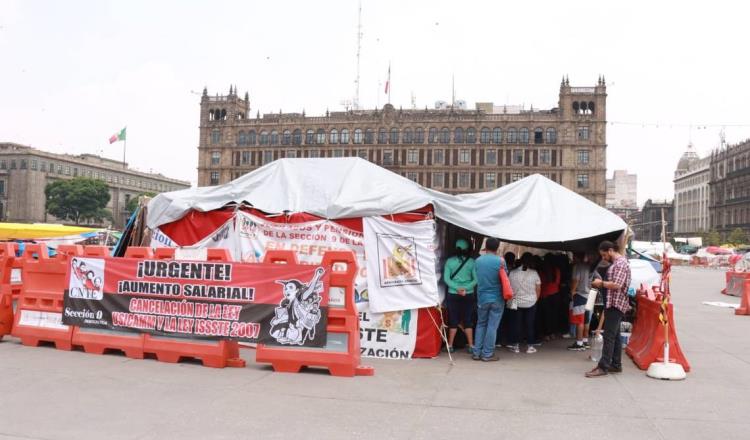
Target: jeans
pixel 612 348
pixel 488 319
pixel 523 325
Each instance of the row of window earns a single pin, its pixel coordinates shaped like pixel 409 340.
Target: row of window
pixel 67 170
pixel 412 156
pixel 461 180
pixel 395 136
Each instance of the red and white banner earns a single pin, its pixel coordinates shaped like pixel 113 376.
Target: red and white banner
pixel 248 237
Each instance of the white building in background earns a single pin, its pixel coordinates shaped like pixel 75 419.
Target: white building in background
pixel 622 190
pixel 691 193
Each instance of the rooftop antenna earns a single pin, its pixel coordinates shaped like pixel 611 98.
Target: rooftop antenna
pixel 355 103
pixel 723 138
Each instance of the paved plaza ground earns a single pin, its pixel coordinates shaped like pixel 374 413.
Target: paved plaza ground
pixel 51 394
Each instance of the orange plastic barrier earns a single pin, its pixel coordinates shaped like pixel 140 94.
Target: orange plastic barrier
pixel 341 355
pixel 744 308
pixel 217 354
pixel 38 317
pixel 99 341
pixel 7 259
pixel 646 344
pixel 735 283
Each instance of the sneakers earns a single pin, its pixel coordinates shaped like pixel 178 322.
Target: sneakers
pixel 530 350
pixel 514 349
pixel 576 347
pixel 586 345
pixel 475 357
pixel 494 358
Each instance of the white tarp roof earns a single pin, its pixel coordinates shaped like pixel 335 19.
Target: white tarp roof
pixel 531 210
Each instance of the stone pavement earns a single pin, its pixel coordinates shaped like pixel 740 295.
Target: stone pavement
pixel 50 394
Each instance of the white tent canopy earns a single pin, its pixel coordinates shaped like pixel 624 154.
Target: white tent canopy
pixel 531 210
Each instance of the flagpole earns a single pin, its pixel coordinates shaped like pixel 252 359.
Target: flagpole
pixel 389 82
pixel 124 147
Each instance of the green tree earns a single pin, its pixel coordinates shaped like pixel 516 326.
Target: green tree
pixel 133 202
pixel 737 236
pixel 78 199
pixel 713 238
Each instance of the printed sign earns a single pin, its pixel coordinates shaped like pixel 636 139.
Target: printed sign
pixel 399 265
pixel 274 304
pixel 403 276
pixel 389 335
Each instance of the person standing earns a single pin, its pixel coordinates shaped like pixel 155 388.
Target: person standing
pixel 616 306
pixel 490 303
pixel 526 290
pixel 549 301
pixel 460 277
pixel 580 283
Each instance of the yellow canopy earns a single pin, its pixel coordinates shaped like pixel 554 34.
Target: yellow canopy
pixel 23 231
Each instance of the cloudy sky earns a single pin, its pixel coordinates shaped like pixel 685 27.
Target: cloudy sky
pixel 74 72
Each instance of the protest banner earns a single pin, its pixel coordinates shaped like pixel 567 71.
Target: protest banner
pixel 268 303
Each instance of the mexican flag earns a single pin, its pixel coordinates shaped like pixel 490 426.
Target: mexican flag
pixel 118 136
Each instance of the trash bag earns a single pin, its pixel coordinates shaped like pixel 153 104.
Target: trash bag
pixel 597 343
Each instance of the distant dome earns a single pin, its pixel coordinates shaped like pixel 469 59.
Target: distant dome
pixel 688 157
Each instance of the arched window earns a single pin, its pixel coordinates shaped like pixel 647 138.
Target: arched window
pixel 369 136
pixel 591 107
pixel 458 135
pixel 274 137
pixel 320 136
pixel 344 136
pixel 408 136
pixel 419 136
pixel 432 135
pixel 309 136
pixel 538 135
pixel 334 136
pixel 357 135
pixel 471 135
pixel 484 135
pixel 551 136
pixel 497 135
pixel 524 135
pixel 445 135
pixel 382 136
pixel 286 138
pixel 297 137
pixel 512 136
pixel 251 137
pixel 241 138
pixel 394 136
pixel 264 137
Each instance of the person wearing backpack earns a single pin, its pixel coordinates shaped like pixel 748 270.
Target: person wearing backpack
pixel 459 276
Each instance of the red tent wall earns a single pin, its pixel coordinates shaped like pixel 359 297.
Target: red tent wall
pixel 196 225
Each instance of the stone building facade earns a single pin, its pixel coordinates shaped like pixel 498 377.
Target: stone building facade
pixel 622 190
pixel 730 188
pixel 449 149
pixel 691 194
pixel 26 171
pixel 647 224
